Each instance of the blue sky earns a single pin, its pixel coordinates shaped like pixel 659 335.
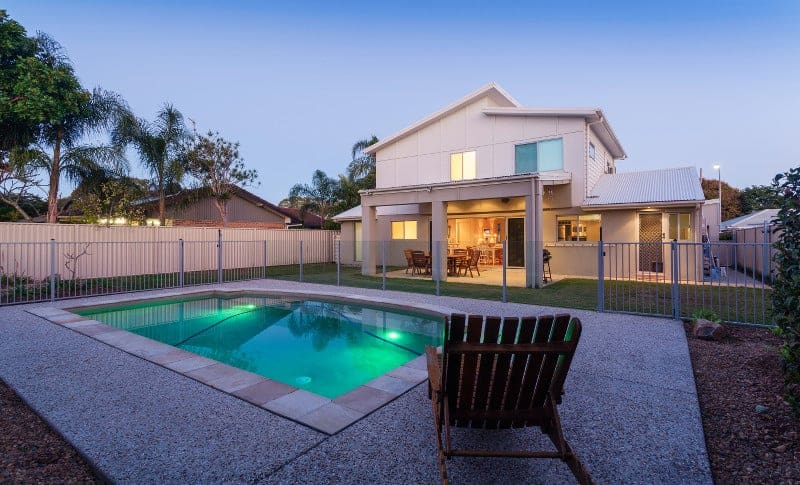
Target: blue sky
pixel 682 83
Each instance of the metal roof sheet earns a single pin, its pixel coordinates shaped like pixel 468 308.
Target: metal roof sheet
pixel 647 187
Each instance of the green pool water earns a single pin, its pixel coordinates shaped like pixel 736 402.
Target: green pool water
pixel 325 347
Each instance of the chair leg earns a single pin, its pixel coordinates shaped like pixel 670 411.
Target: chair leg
pixel 437 422
pixel 556 435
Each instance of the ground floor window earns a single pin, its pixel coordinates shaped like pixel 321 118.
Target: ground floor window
pixel 680 226
pixel 404 229
pixel 583 227
pixel 358 237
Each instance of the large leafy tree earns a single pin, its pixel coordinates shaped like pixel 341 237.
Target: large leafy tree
pixel 362 165
pixel 47 92
pixel 758 197
pixel 731 201
pixel 161 147
pixel 107 197
pixel 216 164
pixel 16 130
pixel 786 287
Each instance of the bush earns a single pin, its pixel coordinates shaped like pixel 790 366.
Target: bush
pixel 706 315
pixel 786 294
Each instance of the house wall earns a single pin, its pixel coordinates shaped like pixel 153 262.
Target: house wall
pixel 423 157
pixel 602 160
pixel 239 209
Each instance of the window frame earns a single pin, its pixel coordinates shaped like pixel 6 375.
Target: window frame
pixel 690 226
pixel 576 218
pixel 592 151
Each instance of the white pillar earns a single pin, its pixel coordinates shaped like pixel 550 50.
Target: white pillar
pixel 530 236
pixel 369 235
pixel 538 237
pixel 439 233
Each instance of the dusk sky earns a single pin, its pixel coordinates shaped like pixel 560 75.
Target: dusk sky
pixel 297 83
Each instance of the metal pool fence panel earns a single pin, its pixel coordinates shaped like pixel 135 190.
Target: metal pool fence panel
pixel 730 280
pixel 684 279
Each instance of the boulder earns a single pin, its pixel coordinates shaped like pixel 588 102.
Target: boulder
pixel 708 330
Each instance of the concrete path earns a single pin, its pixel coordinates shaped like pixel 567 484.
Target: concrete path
pixel 630 411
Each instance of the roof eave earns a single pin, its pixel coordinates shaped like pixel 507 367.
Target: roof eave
pixel 641 205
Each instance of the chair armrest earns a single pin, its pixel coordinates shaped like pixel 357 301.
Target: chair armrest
pixel 434 368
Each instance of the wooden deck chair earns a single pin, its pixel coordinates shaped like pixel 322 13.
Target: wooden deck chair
pixel 507 373
pixel 409 260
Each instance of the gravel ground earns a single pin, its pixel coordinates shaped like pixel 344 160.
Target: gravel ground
pixel 751 434
pixel 31 452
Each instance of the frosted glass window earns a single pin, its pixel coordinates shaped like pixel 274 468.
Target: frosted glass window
pixel 550 155
pixel 456 166
pixel 463 166
pixel 470 168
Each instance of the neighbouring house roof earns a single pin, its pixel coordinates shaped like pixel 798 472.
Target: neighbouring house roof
pixel 651 187
pixel 309 220
pixel 753 219
pixel 489 89
pixel 513 108
pixel 354 214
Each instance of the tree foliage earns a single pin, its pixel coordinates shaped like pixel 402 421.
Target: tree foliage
pixel 105 199
pixel 786 287
pixel 758 197
pixel 319 197
pixel 731 201
pixel 160 146
pixel 217 166
pixel 15 46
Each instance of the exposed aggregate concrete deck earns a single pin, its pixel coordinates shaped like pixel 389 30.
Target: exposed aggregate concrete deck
pixel 630 410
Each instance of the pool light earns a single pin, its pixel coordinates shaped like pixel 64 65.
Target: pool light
pixel 393 335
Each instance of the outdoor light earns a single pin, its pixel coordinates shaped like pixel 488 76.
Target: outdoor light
pixel 393 335
pixel 718 168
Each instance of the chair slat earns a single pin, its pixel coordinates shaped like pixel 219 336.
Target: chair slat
pixel 485 376
pixel 549 364
pixel 502 367
pixel 566 361
pixel 519 364
pixel 469 367
pixel 544 325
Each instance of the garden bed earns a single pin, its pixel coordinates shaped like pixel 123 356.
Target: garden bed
pixel 751 434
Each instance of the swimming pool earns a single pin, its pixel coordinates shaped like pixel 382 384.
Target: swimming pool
pixel 323 346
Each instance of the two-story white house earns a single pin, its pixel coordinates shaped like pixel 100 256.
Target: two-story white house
pixel 485 169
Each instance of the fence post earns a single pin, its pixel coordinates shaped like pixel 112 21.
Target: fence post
pixel 601 277
pixel 504 296
pixel 219 255
pixel 766 273
pixel 339 263
pixel 301 261
pixel 52 270
pixel 264 255
pixel 676 292
pixel 180 263
pixel 383 264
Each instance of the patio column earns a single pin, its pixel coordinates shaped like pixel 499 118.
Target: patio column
pixel 369 236
pixel 533 235
pixel 439 234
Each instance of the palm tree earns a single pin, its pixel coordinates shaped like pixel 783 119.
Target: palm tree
pixel 320 197
pixel 160 147
pixel 362 165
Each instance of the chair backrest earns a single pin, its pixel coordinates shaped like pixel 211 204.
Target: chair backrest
pixel 475 254
pixel 409 257
pixel 459 252
pixel 419 259
pixel 499 372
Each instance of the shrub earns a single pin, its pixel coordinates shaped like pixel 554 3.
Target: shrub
pixel 786 287
pixel 704 314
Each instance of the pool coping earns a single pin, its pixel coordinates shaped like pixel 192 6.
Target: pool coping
pixel 329 416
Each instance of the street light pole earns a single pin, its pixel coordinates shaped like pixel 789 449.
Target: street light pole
pixel 718 168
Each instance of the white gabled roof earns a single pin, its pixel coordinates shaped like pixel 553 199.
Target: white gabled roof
pixel 651 187
pixel 354 214
pixel 753 219
pixel 477 94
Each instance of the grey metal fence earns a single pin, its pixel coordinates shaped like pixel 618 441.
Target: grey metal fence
pixel 727 280
pixel 674 279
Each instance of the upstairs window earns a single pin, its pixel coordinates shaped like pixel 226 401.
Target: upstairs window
pixel 541 156
pixel 591 150
pixel 404 229
pixel 463 166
